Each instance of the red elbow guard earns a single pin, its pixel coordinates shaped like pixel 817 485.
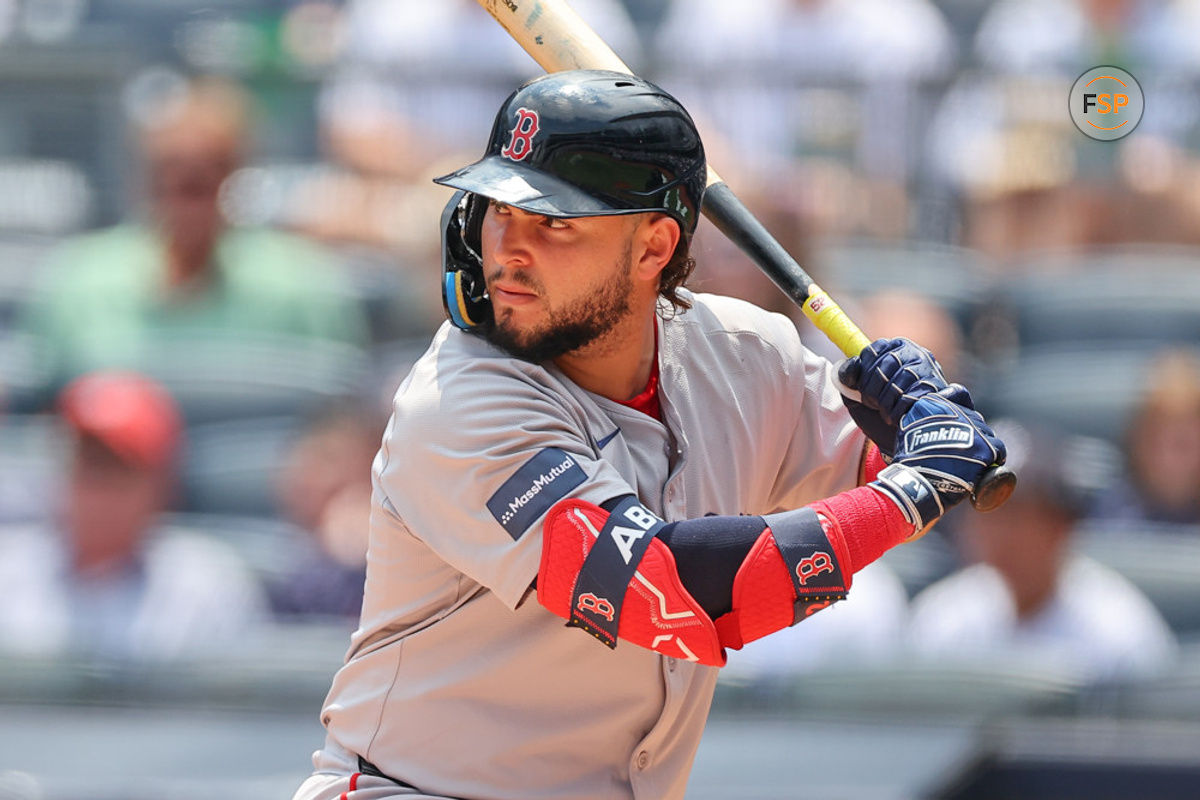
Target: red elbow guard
pixel 606 573
pixel 798 566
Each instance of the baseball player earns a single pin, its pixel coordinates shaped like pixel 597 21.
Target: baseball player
pixel 672 474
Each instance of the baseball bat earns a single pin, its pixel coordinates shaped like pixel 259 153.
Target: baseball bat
pixel 558 39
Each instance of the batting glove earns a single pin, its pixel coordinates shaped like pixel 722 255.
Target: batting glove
pixel 948 446
pixel 882 383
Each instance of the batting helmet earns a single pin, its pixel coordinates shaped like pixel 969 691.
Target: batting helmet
pixel 571 144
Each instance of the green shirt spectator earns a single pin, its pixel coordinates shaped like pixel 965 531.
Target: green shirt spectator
pixel 181 294
pixel 106 299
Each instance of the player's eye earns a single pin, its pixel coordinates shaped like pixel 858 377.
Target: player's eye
pixel 556 223
pixel 498 207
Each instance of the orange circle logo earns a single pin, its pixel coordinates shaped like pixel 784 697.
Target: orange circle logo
pixel 1106 103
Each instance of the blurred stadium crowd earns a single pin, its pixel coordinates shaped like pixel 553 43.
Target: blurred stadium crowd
pixel 219 256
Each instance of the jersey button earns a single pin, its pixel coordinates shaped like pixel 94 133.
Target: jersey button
pixel 643 760
pixel 671 662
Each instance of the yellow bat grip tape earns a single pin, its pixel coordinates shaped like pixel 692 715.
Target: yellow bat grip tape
pixel 833 322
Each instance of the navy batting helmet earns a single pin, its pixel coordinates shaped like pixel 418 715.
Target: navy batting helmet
pixel 572 144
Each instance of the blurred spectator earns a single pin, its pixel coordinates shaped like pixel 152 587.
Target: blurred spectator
pixel 722 268
pixel 900 312
pixel 1031 600
pixel 1028 179
pixel 818 101
pixel 1162 449
pixel 413 87
pixel 416 83
pixel 325 489
pixel 126 295
pixel 1069 36
pixel 103 578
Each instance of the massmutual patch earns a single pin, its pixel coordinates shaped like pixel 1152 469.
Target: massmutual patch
pixel 540 483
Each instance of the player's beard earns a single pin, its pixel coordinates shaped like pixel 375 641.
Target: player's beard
pixel 576 325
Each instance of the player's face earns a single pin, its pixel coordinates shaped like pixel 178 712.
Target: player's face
pixel 555 284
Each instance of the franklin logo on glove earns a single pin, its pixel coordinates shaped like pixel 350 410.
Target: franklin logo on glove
pixel 952 434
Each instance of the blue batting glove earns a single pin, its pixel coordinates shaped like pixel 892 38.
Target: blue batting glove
pixel 949 445
pixel 884 381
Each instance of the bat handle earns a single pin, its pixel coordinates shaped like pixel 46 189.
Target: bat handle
pixel 993 488
pixel 829 318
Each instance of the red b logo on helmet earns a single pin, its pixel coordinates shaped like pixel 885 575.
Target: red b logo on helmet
pixel 523 132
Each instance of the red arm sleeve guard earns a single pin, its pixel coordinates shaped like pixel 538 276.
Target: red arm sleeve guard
pixel 606 572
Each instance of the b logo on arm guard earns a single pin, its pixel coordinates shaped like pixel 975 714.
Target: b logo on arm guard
pixel 793 571
pixel 609 567
pixel 813 565
pixel 608 573
pixel 803 542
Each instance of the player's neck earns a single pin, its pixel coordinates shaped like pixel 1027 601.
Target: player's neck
pixel 619 366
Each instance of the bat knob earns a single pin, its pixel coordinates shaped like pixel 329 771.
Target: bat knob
pixel 993 488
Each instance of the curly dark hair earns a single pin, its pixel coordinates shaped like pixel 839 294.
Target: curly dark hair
pixel 675 273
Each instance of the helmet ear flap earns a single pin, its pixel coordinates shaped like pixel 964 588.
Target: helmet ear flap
pixel 464 292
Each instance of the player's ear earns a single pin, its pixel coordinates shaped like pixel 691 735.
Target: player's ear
pixel 655 239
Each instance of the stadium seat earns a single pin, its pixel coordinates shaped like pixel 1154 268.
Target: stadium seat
pixel 1161 560
pixel 20 258
pixel 1174 695
pixel 23 375
pixel 1081 388
pixel 908 686
pixel 216 379
pixel 1123 295
pixel 954 277
pixel 230 466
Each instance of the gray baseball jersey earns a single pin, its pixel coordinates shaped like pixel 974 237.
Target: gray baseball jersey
pixel 457 681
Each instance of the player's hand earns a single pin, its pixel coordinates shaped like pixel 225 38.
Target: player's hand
pixel 880 385
pixel 949 445
pixel 941 452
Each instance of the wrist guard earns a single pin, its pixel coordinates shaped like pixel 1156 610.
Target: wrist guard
pixel 913 494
